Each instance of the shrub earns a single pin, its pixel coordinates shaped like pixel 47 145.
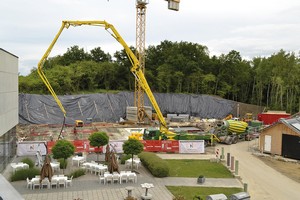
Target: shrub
pixel 77 173
pixel 28 161
pixel 157 166
pixel 63 163
pixel 124 158
pixel 22 174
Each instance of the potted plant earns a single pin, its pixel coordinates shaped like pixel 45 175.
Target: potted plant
pixel 201 179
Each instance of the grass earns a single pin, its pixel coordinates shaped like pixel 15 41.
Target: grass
pixel 194 168
pixel 190 192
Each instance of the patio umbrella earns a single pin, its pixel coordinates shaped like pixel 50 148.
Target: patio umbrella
pixel 113 164
pixel 46 170
pixel 107 153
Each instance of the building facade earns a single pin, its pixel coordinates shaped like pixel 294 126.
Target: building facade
pixel 282 138
pixel 9 117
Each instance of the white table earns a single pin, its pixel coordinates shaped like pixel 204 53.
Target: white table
pixel 17 166
pixel 55 166
pixel 101 168
pixel 147 186
pixel 78 159
pixel 127 174
pixel 136 162
pixel 58 178
pixel 55 177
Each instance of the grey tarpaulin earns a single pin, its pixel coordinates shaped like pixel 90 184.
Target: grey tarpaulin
pixel 42 109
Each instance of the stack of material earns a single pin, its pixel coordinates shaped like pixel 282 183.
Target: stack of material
pixel 178 118
pixel 131 113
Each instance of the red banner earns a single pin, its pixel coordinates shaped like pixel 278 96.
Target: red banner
pixel 80 146
pixel 171 146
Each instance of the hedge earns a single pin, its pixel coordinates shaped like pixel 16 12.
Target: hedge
pixel 22 174
pixel 157 166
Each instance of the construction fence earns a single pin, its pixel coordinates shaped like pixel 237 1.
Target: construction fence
pixel 167 146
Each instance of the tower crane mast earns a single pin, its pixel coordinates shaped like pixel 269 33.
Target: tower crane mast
pixel 141 6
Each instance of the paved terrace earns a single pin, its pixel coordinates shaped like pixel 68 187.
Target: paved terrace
pixel 87 187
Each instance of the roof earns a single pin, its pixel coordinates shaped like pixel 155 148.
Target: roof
pixel 8 52
pixel 292 123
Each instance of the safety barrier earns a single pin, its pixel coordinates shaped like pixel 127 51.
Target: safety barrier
pixel 171 146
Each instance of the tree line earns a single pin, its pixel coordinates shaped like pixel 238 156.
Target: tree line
pixel 176 67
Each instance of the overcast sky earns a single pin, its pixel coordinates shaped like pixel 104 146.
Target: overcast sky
pixel 251 27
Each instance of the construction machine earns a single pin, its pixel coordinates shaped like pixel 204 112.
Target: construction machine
pixel 165 133
pixel 229 131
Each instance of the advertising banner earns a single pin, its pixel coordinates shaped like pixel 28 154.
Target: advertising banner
pixel 115 146
pixel 191 146
pixel 31 148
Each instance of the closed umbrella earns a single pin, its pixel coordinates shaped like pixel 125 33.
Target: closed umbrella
pixel 113 164
pixel 107 153
pixel 46 170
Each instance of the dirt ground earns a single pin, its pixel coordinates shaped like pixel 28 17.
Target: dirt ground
pixel 289 169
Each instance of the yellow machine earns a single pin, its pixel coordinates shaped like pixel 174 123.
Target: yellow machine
pixel 230 116
pixel 78 123
pixel 248 117
pixel 135 69
pixel 136 135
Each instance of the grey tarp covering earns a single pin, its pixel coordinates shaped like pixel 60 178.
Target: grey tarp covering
pixel 42 109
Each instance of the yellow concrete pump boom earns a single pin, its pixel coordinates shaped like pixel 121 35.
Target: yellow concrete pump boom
pixel 135 69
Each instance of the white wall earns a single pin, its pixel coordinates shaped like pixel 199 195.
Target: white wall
pixel 9 105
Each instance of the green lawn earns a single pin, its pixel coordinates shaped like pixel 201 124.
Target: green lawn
pixel 194 168
pixel 190 192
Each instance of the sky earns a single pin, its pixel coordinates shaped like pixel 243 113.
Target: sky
pixel 252 27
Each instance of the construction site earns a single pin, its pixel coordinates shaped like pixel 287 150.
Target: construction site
pixel 140 108
pixel 178 126
pixel 115 120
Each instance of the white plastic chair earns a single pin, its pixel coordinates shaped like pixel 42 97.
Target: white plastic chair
pixel 29 183
pixel 109 178
pixel 54 182
pixel 62 182
pixel 36 183
pixel 97 171
pixel 115 178
pixel 69 181
pixel 45 182
pixel 123 178
pixel 131 177
pixel 128 164
pixel 101 179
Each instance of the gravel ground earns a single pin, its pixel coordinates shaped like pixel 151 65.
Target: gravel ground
pixel 264 182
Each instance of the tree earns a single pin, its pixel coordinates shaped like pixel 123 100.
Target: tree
pixel 133 147
pixel 100 56
pixel 98 139
pixel 63 149
pixel 73 55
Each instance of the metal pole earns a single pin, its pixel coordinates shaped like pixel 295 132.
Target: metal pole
pixel 245 187
pixel 236 167
pixel 228 159
pixel 232 163
pixel 222 153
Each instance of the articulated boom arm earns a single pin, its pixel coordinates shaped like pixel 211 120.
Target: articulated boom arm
pixel 139 75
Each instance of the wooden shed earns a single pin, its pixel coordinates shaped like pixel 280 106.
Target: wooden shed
pixel 282 138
